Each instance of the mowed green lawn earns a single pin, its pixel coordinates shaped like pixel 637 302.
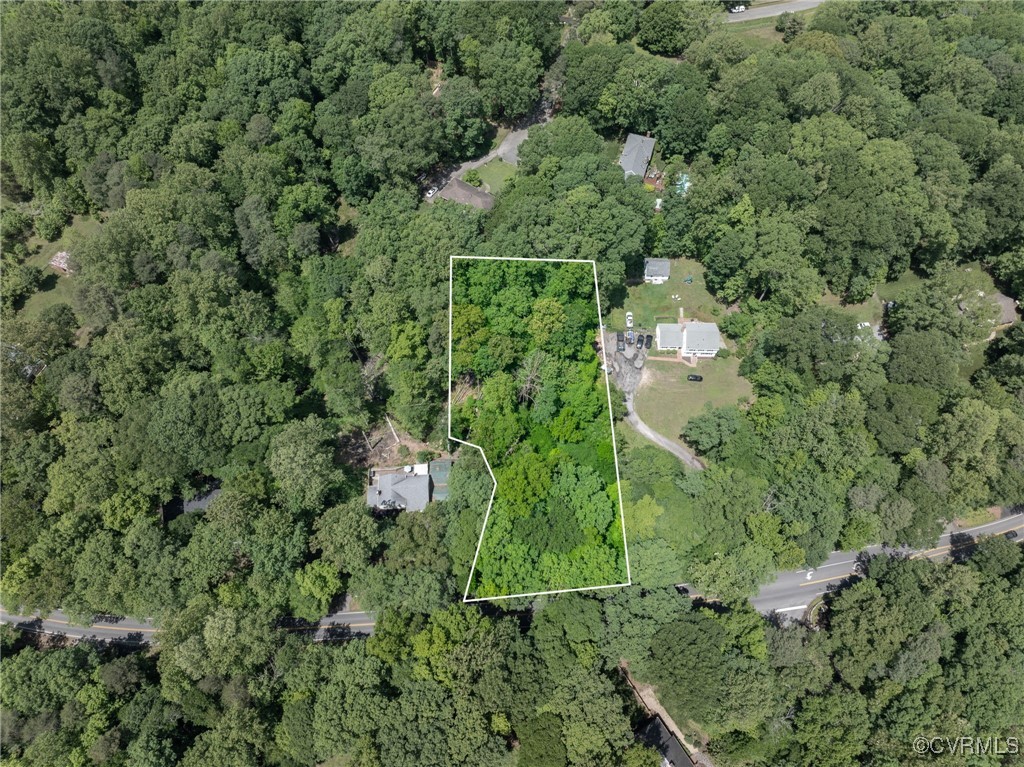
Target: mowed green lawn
pixel 496 174
pixel 56 288
pixel 666 401
pixel 651 304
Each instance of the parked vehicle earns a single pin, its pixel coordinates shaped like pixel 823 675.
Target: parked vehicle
pixel 620 346
pixel 648 340
pixel 620 336
pixel 1010 534
pixel 738 9
pixel 629 319
pixel 692 377
pixel 630 337
pixel 431 192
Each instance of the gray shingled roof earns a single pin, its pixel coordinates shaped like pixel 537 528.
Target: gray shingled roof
pixel 701 336
pixel 636 155
pixel 656 267
pixel 407 491
pixel 670 335
pixel 458 190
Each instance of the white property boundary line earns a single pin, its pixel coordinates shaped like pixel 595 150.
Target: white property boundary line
pixel 494 489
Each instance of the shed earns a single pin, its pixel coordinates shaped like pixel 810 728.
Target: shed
pixel 656 270
pixel 636 155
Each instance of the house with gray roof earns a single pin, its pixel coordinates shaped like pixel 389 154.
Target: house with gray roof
pixel 656 270
pixel 636 155
pixel 408 488
pixel 459 191
pixel 669 336
pixel 701 339
pixel 693 339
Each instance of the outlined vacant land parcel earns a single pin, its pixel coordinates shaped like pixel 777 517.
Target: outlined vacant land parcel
pixel 527 388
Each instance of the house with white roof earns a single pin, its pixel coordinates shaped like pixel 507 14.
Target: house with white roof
pixel 693 339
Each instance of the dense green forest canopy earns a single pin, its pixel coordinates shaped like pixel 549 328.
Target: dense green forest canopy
pixel 263 282
pixel 536 404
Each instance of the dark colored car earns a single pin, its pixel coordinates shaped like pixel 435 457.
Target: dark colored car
pixel 648 340
pixel 620 346
pixel 620 336
pixel 1010 534
pixel 692 377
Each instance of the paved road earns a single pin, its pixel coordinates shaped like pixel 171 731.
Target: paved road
pixel 683 454
pixel 334 626
pixel 793 591
pixel 767 11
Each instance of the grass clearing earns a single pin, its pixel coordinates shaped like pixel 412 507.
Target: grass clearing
pixel 496 174
pixel 654 303
pixel 666 401
pixel 761 32
pixel 612 149
pixel 890 290
pixel 868 311
pixel 56 287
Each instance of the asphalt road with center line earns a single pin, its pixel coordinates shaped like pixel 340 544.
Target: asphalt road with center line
pixel 793 591
pixel 126 631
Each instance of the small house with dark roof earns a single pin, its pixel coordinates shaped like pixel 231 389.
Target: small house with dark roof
pixel 459 191
pixel 636 155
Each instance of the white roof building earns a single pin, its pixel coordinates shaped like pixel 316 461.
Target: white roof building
pixel 669 336
pixel 694 339
pixel 701 339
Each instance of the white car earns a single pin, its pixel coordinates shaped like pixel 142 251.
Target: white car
pixel 629 319
pixel 431 192
pixel 738 9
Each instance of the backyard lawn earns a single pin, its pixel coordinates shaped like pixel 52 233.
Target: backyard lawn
pixel 651 304
pixel 495 174
pixel 869 311
pixel 666 401
pixel 761 32
pixel 56 288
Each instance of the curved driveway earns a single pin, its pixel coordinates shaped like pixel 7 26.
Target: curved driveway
pixel 685 455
